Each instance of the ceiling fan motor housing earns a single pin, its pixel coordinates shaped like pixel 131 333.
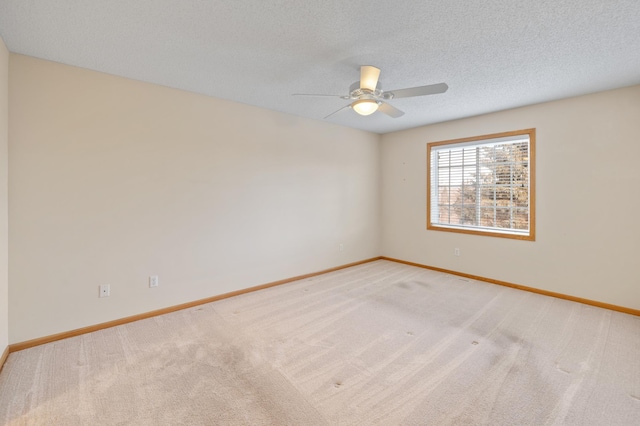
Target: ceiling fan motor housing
pixel 356 92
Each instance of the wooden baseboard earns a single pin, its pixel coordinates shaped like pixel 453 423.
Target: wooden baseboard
pixel 77 332
pixel 522 287
pixel 4 356
pixel 72 333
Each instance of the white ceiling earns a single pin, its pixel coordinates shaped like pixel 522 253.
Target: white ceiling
pixel 494 54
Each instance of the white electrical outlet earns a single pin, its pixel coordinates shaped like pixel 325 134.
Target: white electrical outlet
pixel 104 290
pixel 341 247
pixel 456 251
pixel 153 281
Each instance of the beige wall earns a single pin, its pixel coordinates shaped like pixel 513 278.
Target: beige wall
pixel 113 180
pixel 4 170
pixel 588 187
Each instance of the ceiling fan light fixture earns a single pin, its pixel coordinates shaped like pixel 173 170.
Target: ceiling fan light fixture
pixel 367 96
pixel 365 106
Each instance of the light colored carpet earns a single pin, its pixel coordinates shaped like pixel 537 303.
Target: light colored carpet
pixel 379 343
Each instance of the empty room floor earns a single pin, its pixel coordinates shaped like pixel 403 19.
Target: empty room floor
pixel 378 343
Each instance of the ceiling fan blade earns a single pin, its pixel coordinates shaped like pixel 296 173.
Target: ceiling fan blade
pixel 369 77
pixel 432 89
pixel 335 112
pixel 320 96
pixel 391 111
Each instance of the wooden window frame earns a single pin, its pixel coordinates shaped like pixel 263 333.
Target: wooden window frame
pixel 532 186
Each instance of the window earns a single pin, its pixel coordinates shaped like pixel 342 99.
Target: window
pixel 483 185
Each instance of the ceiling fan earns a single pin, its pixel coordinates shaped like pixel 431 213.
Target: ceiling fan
pixel 368 97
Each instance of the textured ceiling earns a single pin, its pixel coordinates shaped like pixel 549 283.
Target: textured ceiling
pixel 493 54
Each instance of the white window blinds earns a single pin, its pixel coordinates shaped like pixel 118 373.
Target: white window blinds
pixel 482 185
